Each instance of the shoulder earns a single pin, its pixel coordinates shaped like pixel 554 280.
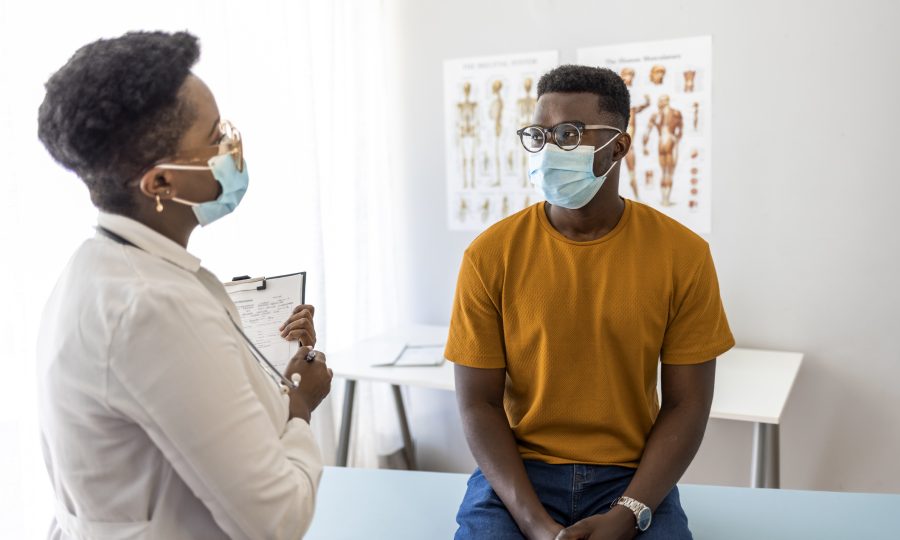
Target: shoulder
pixel 124 282
pixel 499 237
pixel 666 233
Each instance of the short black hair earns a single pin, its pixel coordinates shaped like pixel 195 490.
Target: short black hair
pixel 113 110
pixel 606 84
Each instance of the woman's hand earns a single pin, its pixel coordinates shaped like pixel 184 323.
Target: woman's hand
pixel 300 326
pixel 315 382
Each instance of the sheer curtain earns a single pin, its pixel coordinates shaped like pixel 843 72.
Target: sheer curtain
pixel 304 82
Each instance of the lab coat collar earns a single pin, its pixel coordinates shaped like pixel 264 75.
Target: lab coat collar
pixel 149 240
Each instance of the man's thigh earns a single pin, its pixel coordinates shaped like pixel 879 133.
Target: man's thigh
pixel 483 515
pixel 669 521
pixel 604 484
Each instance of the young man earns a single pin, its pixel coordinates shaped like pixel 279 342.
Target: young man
pixel 562 315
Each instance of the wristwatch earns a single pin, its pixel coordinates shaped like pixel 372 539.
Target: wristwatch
pixel 642 512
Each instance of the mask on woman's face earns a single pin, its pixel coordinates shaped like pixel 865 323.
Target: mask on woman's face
pixel 234 185
pixel 228 168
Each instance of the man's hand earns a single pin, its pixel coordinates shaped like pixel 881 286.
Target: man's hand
pixel 315 383
pixel 617 524
pixel 300 327
pixel 549 532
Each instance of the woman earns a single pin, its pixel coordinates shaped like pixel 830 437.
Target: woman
pixel 157 421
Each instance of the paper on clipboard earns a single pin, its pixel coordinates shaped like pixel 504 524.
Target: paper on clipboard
pixel 264 304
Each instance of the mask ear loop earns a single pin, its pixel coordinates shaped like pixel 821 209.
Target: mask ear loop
pixel 179 167
pixel 607 143
pixel 615 161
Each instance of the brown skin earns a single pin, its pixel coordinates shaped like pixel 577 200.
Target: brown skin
pixel 177 222
pixel 315 383
pixel 686 390
pixel 601 215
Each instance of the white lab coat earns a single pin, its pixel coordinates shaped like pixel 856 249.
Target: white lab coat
pixel 156 421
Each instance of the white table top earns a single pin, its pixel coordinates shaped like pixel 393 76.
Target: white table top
pixel 400 505
pixel 751 385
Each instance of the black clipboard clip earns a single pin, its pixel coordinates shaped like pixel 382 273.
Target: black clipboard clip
pixel 248 280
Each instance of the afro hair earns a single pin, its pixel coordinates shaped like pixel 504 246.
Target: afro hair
pixel 610 88
pixel 113 110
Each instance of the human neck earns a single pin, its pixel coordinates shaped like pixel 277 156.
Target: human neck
pixel 590 222
pixel 175 226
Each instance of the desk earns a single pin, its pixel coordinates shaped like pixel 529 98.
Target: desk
pixel 400 505
pixel 751 386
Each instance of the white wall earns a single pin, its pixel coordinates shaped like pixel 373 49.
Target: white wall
pixel 804 221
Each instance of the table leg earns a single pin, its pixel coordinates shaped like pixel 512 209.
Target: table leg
pixel 765 469
pixel 408 449
pixel 343 448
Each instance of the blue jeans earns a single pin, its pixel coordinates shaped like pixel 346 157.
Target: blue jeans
pixel 570 493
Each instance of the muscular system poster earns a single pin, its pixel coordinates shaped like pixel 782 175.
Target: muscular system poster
pixel 670 85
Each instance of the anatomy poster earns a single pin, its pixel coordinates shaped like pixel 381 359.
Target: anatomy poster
pixel 669 165
pixel 485 101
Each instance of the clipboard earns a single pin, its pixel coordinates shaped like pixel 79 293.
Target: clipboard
pixel 264 303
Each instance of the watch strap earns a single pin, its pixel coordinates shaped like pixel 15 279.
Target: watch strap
pixel 636 507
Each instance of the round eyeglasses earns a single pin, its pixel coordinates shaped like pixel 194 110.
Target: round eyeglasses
pixel 196 159
pixel 566 135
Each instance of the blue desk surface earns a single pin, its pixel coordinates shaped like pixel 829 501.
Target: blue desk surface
pixel 400 505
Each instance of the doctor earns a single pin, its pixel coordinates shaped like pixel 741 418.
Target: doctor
pixel 156 419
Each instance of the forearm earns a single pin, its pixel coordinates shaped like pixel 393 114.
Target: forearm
pixel 494 447
pixel 670 448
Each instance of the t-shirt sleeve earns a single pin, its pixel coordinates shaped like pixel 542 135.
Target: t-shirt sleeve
pixel 476 325
pixel 698 329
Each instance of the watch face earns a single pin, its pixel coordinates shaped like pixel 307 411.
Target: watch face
pixel 643 519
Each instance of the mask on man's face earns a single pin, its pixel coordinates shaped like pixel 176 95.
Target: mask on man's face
pixel 566 178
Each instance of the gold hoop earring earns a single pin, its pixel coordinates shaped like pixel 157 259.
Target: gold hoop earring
pixel 159 206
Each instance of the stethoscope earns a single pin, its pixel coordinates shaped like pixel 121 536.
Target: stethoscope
pixel 285 384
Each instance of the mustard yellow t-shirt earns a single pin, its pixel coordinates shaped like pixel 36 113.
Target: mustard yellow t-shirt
pixel 581 326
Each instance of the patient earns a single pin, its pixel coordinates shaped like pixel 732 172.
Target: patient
pixel 563 314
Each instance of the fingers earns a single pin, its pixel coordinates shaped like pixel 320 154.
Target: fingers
pixel 301 329
pixel 575 532
pixel 300 311
pixel 296 316
pixel 306 355
pixel 297 361
pixel 303 336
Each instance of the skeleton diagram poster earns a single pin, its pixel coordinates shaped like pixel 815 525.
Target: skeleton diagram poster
pixel 485 101
pixel 669 165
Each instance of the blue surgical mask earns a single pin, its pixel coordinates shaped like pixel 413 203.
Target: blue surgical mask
pixel 566 178
pixel 234 184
